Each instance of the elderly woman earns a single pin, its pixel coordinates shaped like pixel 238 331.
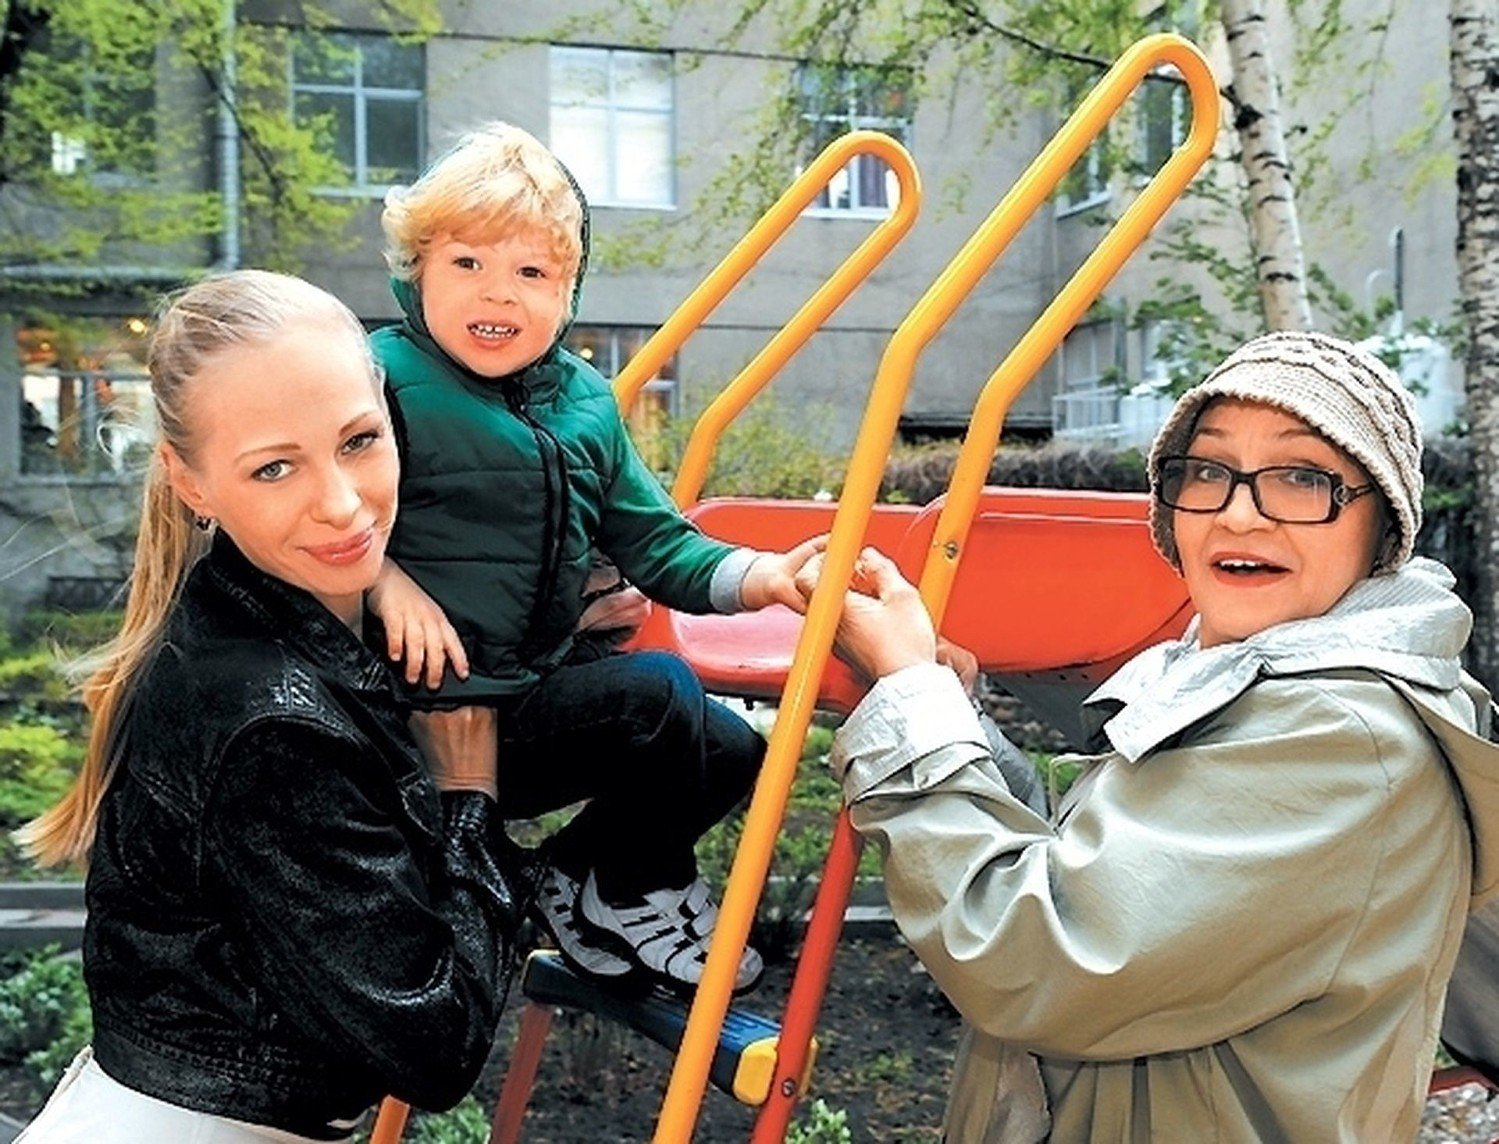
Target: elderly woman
pixel 287 917
pixel 1240 922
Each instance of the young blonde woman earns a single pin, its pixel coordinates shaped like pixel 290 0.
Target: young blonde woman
pixel 1240 922
pixel 287 918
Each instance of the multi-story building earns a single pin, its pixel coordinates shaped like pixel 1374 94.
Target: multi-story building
pixel 651 133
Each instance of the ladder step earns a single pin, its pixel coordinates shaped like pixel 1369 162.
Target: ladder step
pixel 743 1064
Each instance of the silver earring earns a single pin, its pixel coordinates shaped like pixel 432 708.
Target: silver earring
pixel 202 523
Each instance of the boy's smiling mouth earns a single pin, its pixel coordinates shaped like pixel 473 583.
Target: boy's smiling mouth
pixel 489 330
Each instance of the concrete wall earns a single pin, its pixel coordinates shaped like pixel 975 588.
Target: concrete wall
pixel 481 68
pixel 54 529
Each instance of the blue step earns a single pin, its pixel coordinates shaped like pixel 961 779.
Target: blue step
pixel 744 1063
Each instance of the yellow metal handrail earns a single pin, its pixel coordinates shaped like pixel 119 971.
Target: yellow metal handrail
pixel 965 486
pixel 647 363
pixel 752 860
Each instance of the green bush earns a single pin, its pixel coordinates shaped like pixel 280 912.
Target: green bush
pixel 820 1124
pixel 50 1062
pixel 76 631
pixel 39 1003
pixel 37 765
pixel 465 1123
pixel 33 675
pixel 768 451
pixel 919 474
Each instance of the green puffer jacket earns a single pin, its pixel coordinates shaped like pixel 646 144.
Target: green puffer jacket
pixel 507 485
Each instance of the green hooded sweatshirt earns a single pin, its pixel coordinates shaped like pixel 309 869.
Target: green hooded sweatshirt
pixel 507 486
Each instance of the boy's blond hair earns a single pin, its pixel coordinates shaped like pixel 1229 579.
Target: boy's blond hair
pixel 499 181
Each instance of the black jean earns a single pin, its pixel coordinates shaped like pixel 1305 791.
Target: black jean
pixel 658 761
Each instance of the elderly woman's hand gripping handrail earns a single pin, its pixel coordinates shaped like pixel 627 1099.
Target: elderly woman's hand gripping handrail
pixel 884 626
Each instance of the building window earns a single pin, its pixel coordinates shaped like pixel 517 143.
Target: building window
pixel 1163 352
pixel 107 126
pixel 612 123
pixel 1093 355
pixel 837 100
pixel 1086 406
pixel 1087 184
pixel 1165 107
pixel 364 96
pixel 607 349
pixel 85 397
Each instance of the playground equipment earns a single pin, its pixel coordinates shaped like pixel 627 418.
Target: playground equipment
pixel 777 655
pixel 943 552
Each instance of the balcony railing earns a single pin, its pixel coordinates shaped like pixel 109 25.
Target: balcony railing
pixel 1087 415
pixel 1107 416
pixel 84 423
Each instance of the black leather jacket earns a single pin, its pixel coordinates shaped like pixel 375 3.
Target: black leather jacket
pixel 286 921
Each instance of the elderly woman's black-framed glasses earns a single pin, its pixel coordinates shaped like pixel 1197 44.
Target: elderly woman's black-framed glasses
pixel 1290 494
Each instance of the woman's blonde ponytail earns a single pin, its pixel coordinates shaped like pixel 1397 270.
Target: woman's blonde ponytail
pixel 165 548
pixel 245 307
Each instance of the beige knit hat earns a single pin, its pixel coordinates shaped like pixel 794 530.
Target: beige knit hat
pixel 1346 394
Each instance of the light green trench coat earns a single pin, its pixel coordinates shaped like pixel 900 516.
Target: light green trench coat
pixel 1241 921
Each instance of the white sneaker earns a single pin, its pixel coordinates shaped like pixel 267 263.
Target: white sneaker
pixel 667 933
pixel 556 910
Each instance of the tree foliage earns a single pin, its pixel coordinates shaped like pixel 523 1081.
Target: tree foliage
pixel 110 124
pixel 1024 58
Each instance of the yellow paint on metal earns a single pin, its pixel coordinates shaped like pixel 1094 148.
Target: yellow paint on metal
pixel 1081 290
pixel 647 363
pixel 756 1069
pixel 877 431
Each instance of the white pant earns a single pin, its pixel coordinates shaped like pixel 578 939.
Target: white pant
pixel 91 1107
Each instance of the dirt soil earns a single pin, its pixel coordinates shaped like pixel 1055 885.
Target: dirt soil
pixel 885 1052
pixel 886 1040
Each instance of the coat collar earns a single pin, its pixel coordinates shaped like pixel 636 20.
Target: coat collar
pixel 234 592
pixel 1407 625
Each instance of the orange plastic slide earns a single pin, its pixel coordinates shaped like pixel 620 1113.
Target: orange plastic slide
pixel 1057 588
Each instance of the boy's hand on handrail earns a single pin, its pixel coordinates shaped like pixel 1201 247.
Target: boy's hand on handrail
pixel 416 629
pixel 884 626
pixel 771 579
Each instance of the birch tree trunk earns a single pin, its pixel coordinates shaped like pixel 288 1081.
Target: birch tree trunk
pixel 1475 120
pixel 1274 230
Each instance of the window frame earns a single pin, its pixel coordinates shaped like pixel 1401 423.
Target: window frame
pixel 72 156
pixel 618 333
pixel 104 428
pixel 850 81
pixel 1185 18
pixel 359 185
pixel 612 107
pixel 1097 182
pixel 1101 341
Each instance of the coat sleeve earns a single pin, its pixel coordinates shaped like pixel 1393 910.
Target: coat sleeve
pixel 656 548
pixel 397 970
pixel 1179 900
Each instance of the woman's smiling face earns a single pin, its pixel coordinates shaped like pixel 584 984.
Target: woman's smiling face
pixel 293 455
pixel 1246 572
